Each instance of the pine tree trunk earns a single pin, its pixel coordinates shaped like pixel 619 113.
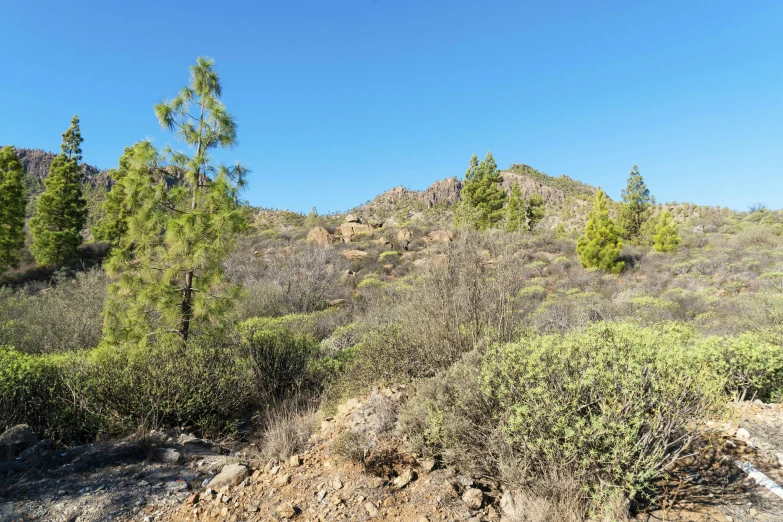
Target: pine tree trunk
pixel 184 325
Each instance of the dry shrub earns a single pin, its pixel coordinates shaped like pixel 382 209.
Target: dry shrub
pixel 287 428
pixel 352 445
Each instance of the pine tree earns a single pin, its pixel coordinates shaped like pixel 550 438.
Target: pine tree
pixel 482 197
pixel 12 209
pixel 666 238
pixel 636 205
pixel 601 244
pixel 182 214
pixel 534 211
pixel 515 211
pixel 61 210
pixel 113 221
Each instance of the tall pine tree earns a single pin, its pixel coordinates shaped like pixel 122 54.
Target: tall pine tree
pixel 534 210
pixel 515 211
pixel 665 238
pixel 61 210
pixel 181 215
pixel 601 244
pixel 12 209
pixel 636 206
pixel 482 198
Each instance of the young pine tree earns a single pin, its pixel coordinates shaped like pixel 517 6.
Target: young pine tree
pixel 534 210
pixel 12 209
pixel 515 211
pixel 636 205
pixel 61 210
pixel 482 197
pixel 601 244
pixel 666 238
pixel 182 214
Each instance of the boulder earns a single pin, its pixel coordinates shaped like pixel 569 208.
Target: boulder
pixel 352 218
pixel 230 475
pixel 167 455
pixel 16 439
pixel 354 255
pixel 404 478
pixel 442 236
pixel 348 230
pixel 511 505
pixel 320 236
pixel 405 235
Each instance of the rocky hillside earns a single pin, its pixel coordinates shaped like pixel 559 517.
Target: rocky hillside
pixel 567 200
pixel 36 163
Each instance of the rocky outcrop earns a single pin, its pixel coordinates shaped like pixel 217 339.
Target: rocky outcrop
pixel 230 475
pixel 348 231
pixel 320 236
pixel 36 165
pixel 441 236
pixel 354 255
pixel 405 235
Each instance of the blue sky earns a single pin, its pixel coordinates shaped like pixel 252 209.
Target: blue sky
pixel 338 101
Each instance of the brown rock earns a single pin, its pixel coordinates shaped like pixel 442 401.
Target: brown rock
pixel 442 236
pixel 354 255
pixel 352 218
pixel 285 510
pixel 427 464
pixel 473 498
pixel 320 236
pixel 404 478
pixel 372 510
pixel 349 230
pixel 405 235
pixel 294 461
pixel 282 480
pixel 230 475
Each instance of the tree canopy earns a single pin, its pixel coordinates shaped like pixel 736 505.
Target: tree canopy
pixel 12 209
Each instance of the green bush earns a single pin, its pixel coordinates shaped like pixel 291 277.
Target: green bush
pixel 752 363
pixel 610 406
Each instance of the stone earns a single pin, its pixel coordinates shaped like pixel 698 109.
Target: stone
pixel 352 218
pixel 320 236
pixel 349 230
pixel 252 508
pixel 16 439
pixel 354 255
pixel 743 434
pixel 337 484
pixel 442 236
pixel 511 505
pixel 192 499
pixel 473 498
pixel 405 235
pixel 294 461
pixel 372 509
pixel 230 475
pixel 282 480
pixel 167 456
pixel 404 478
pixel 285 510
pixel 427 464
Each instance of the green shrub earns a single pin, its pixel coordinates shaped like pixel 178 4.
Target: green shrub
pixel 610 406
pixel 752 363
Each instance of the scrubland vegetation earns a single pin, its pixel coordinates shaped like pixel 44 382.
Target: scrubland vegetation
pixel 536 357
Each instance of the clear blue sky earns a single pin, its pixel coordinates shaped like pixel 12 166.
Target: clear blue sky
pixel 337 101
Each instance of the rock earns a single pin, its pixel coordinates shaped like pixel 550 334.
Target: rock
pixel 192 499
pixel 337 484
pixel 16 439
pixel 349 230
pixel 230 475
pixel 511 505
pixel 404 478
pixel 742 434
pixel 405 235
pixel 442 236
pixel 352 218
pixel 375 223
pixel 372 510
pixel 167 455
pixel 473 498
pixel 40 449
pixel 354 255
pixel 320 236
pixel 753 512
pixel 252 508
pixel 294 461
pixel 285 510
pixel 339 303
pixel 427 464
pixel 282 480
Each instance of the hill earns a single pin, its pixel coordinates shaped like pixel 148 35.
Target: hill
pixel 36 163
